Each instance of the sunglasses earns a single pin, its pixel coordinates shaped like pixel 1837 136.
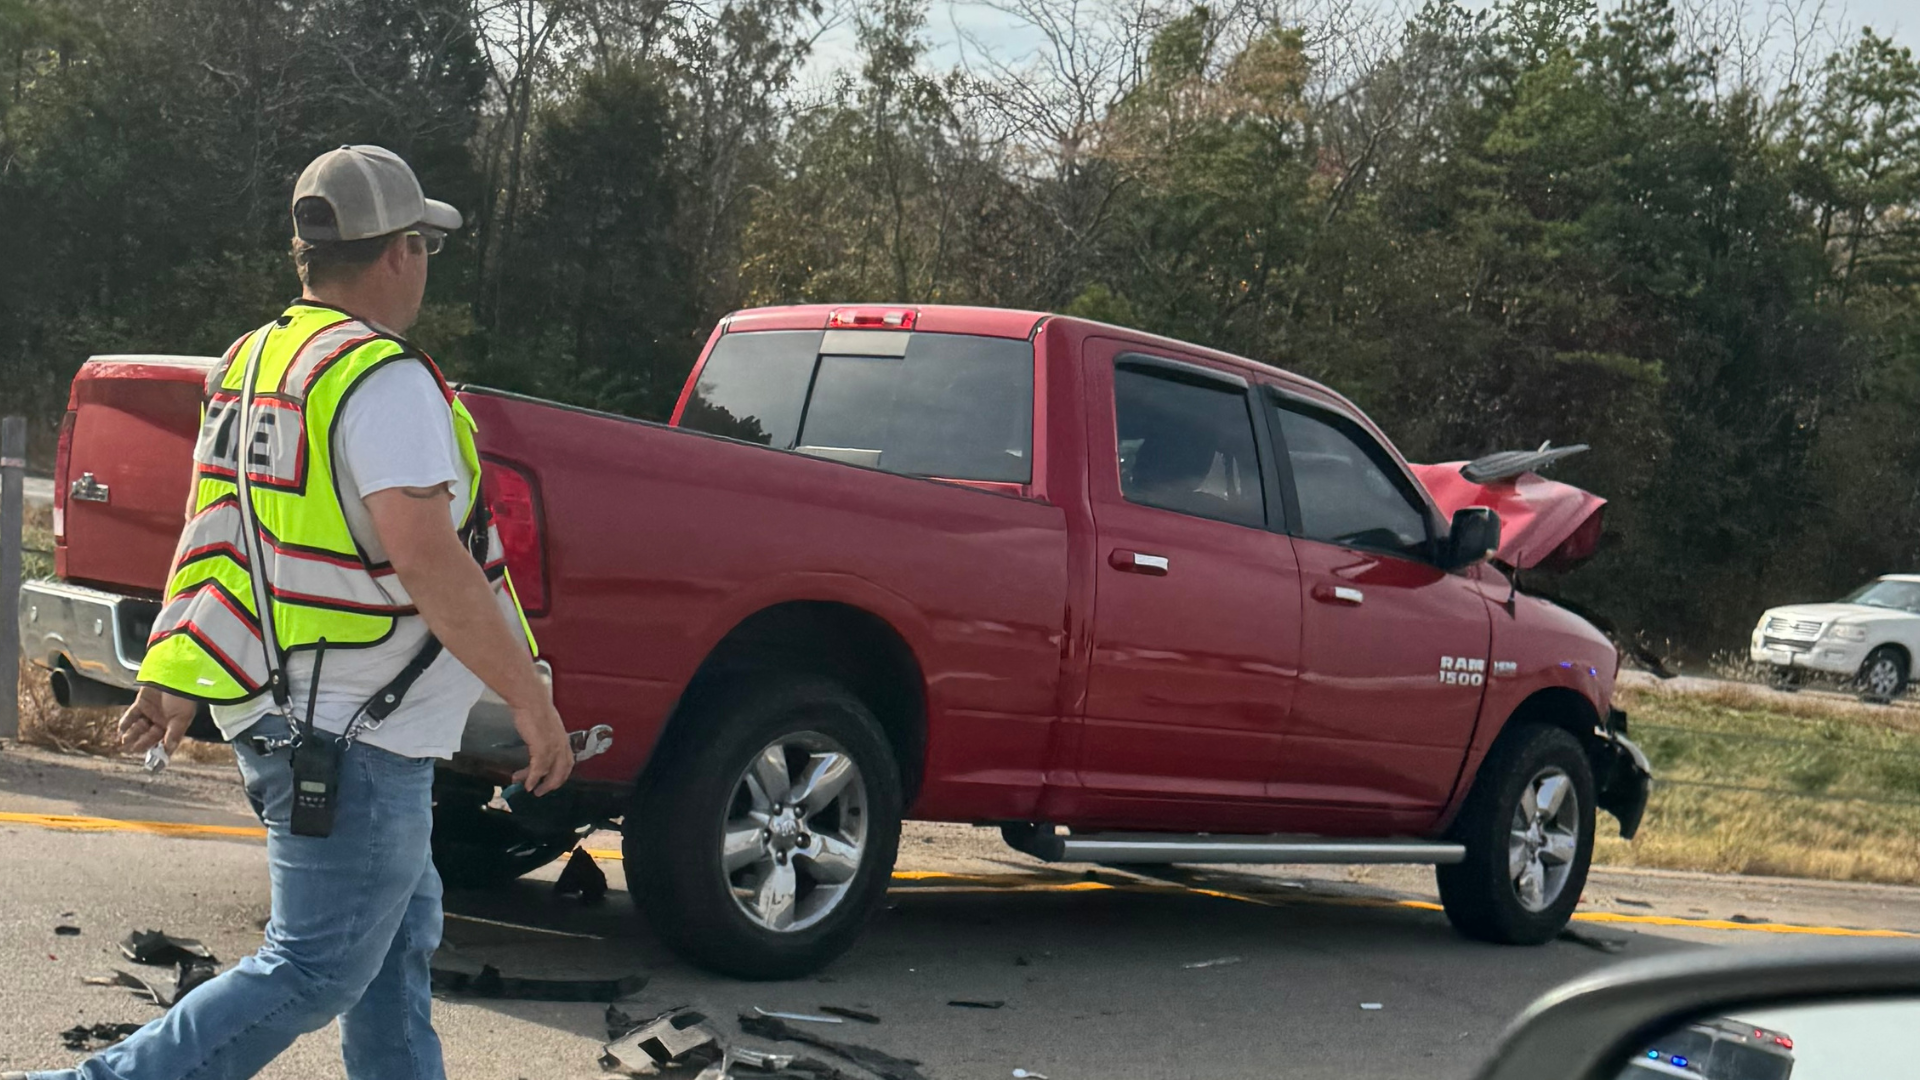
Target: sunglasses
pixel 432 239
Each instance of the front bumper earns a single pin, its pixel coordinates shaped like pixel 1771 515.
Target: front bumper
pixel 102 636
pixel 1825 656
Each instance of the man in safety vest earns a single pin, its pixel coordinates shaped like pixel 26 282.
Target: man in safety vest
pixel 338 564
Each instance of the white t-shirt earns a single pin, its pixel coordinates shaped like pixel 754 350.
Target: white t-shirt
pixel 395 431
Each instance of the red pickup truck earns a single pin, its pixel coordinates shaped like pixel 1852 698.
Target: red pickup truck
pixel 1131 600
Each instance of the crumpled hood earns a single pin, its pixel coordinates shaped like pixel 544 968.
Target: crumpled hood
pixel 1543 523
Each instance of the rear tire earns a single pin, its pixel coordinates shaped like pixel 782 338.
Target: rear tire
pixel 1528 828
pixel 766 837
pixel 1883 675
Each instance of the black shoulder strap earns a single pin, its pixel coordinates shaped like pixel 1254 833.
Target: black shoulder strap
pixel 391 695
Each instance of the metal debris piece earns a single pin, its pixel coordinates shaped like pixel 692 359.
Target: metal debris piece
pixel 1218 961
pixel 805 1018
pixel 967 1004
pixel 157 759
pixel 1372 1006
pixel 142 988
pixel 675 1037
pixel 878 1062
pixel 764 1060
pixel 851 1014
pixel 582 878
pixel 99 980
pixel 159 947
pixel 488 982
pixel 67 931
pixel 1023 1074
pixel 1596 942
pixel 83 1036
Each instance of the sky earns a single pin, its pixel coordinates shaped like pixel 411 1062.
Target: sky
pixel 952 22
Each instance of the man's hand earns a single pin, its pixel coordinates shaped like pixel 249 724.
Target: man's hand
pixel 549 753
pixel 156 717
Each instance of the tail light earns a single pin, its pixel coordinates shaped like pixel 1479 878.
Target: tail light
pixel 515 501
pixel 62 459
pixel 865 318
pixel 1783 1042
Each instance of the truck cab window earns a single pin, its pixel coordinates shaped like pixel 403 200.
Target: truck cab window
pixel 1350 492
pixel 753 386
pixel 1187 447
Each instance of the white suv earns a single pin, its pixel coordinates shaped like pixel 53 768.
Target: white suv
pixel 1871 636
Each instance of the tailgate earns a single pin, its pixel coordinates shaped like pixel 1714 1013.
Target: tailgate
pixel 121 485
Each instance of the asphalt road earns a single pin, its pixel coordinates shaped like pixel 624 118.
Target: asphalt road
pixel 37 490
pixel 1096 968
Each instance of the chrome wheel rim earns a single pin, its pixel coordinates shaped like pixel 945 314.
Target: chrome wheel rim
pixel 795 832
pixel 1882 677
pixel 1544 838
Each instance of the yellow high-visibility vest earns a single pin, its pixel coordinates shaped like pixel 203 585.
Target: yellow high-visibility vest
pixel 207 642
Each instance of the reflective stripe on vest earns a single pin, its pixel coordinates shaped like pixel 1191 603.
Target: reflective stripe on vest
pixel 206 642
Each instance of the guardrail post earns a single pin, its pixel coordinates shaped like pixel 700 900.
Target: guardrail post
pixel 13 468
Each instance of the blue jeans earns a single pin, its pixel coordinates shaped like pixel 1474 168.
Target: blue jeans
pixel 356 918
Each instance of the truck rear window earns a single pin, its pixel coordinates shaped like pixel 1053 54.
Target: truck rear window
pixel 953 406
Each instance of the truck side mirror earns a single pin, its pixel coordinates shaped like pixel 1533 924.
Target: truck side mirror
pixel 1474 536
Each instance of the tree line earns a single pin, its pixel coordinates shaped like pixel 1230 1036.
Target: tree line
pixel 1645 226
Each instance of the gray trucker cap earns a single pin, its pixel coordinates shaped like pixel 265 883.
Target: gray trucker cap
pixel 371 192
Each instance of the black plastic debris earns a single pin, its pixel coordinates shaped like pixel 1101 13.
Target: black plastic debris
pixel 582 878
pixel 85 1037
pixel 192 974
pixel 488 982
pixel 878 1062
pixel 964 1003
pixel 851 1014
pixel 158 947
pixel 675 1037
pixel 67 931
pixel 1596 942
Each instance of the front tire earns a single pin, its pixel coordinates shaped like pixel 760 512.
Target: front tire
pixel 767 836
pixel 1883 675
pixel 1528 828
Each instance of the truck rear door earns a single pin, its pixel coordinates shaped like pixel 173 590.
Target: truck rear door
pixel 1395 656
pixel 1197 611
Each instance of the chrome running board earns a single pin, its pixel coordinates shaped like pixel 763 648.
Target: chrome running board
pixel 1045 842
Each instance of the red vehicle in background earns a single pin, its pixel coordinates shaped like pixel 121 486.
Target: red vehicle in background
pixel 1130 599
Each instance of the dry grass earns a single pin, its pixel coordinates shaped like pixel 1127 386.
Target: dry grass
pixel 1843 787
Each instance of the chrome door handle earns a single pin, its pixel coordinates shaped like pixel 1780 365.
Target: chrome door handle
pixel 1139 562
pixel 1338 594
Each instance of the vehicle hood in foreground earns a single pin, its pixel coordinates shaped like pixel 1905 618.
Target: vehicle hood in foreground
pixel 1543 523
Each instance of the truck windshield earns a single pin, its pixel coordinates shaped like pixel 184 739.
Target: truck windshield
pixel 953 406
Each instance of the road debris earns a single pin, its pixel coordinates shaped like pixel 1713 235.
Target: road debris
pixel 676 1037
pixel 86 1037
pixel 805 1018
pixel 1372 1006
pixel 1746 919
pixel 191 975
pixel 850 1014
pixel 966 1004
pixel 67 931
pixel 142 988
pixel 878 1062
pixel 582 878
pixel 159 947
pixel 157 759
pixel 1597 942
pixel 1631 901
pixel 1218 961
pixel 1023 1074
pixel 488 982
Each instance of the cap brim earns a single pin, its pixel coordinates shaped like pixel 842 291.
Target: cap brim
pixel 441 216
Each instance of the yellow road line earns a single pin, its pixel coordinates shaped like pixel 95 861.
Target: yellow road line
pixel 942 881
pixel 73 823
